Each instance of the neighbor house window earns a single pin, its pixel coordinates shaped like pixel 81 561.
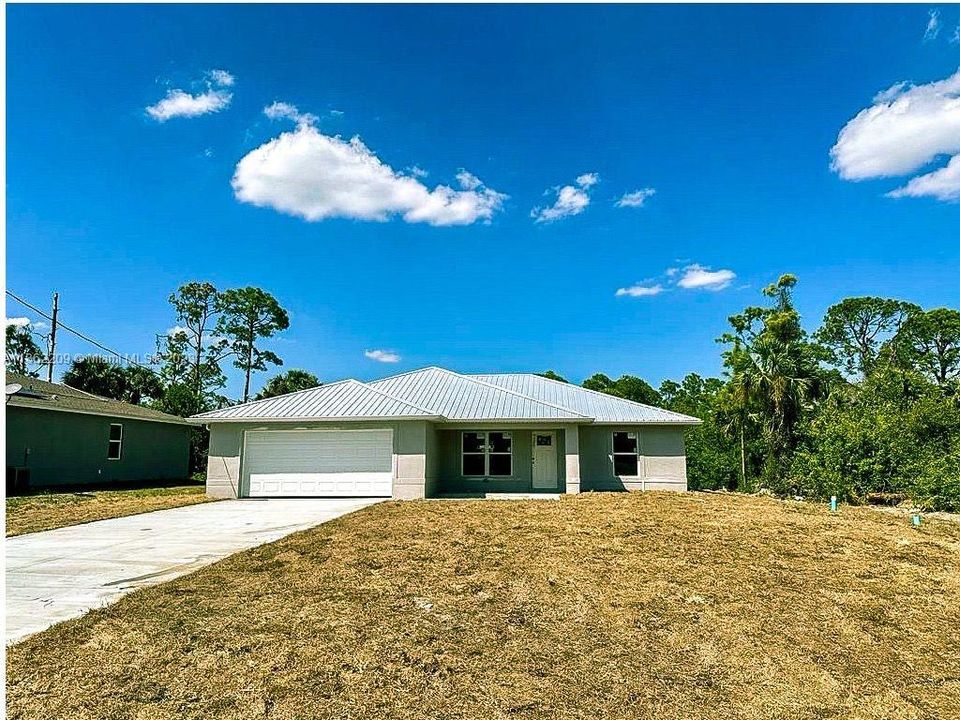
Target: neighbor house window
pixel 625 454
pixel 487 453
pixel 116 441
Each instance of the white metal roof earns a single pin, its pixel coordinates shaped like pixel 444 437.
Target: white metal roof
pixel 464 397
pixel 347 400
pixel 601 407
pixel 439 394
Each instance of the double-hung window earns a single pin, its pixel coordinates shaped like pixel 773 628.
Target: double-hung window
pixel 115 445
pixel 626 451
pixel 487 454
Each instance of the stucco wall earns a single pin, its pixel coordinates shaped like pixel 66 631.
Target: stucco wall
pixel 71 448
pixel 428 458
pixel 226 479
pixel 410 447
pixel 223 460
pixel 662 464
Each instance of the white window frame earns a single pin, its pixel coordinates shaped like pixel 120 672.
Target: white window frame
pixel 486 452
pixel 111 442
pixel 614 453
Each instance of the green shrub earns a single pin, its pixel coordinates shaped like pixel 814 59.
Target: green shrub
pixel 893 433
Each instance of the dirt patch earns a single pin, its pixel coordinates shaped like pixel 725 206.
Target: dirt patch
pixel 647 605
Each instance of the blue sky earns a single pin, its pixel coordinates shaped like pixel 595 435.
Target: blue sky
pixel 728 113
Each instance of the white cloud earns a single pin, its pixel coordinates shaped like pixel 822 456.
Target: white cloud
pixel 18 322
pixel 698 277
pixel 384 356
pixel 955 38
pixel 286 111
pixel 637 198
pixel 942 184
pixel 417 171
pixel 179 103
pixel 688 277
pixel 177 330
pixel 468 181
pixel 571 200
pixel 315 176
pixel 906 128
pixel 933 26
pixel 221 78
pixel 640 290
pixel 588 180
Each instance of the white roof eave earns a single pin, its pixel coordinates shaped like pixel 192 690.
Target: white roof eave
pixel 307 418
pixel 666 423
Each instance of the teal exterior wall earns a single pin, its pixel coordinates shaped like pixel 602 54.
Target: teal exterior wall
pixel 452 480
pixel 432 470
pixel 63 448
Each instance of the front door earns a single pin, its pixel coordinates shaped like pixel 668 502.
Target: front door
pixel 544 460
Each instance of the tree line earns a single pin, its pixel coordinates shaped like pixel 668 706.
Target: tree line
pixel 187 376
pixel 865 408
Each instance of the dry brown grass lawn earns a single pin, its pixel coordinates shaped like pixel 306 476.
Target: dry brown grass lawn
pixel 598 606
pixel 33 513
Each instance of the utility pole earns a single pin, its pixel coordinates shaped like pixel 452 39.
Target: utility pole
pixel 53 337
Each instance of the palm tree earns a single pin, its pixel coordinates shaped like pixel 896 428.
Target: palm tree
pixel 737 407
pixel 773 382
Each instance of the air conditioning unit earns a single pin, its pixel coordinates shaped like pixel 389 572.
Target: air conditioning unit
pixel 18 480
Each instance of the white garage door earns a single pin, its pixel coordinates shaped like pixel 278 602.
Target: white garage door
pixel 319 463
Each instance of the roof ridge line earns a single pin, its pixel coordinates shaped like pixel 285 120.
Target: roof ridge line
pixel 429 412
pixel 71 387
pixel 409 372
pixel 54 394
pixel 262 400
pixel 518 394
pixel 88 394
pixel 607 395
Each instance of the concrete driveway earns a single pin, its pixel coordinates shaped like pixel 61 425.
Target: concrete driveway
pixel 60 574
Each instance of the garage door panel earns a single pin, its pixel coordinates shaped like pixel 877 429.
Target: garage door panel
pixel 319 463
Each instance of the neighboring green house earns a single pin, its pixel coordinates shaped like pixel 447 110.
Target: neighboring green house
pixel 58 435
pixel 435 432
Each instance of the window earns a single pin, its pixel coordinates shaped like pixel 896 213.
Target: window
pixel 500 454
pixel 625 451
pixel 487 454
pixel 474 453
pixel 116 441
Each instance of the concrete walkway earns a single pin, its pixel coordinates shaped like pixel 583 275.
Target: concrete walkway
pixel 60 574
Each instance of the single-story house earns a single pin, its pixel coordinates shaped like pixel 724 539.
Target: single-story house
pixel 58 435
pixel 434 432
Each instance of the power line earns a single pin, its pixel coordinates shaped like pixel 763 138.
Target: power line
pixel 81 335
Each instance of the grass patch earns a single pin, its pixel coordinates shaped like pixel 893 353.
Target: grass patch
pixel 46 511
pixel 649 605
